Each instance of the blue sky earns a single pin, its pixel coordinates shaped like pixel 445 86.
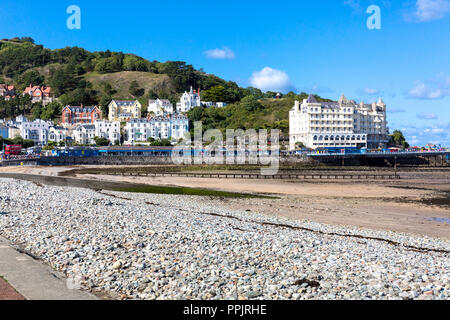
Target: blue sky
pixel 321 46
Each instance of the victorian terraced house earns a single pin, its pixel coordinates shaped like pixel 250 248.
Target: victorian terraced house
pixel 73 115
pixel 40 94
pixel 124 110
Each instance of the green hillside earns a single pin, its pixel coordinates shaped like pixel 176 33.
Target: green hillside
pixel 249 113
pixel 78 76
pixel 121 81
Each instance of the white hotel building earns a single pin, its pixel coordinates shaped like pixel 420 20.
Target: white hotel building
pixel 342 124
pixel 108 129
pixel 169 127
pixel 188 101
pixel 191 100
pixel 37 130
pixel 86 133
pixel 160 107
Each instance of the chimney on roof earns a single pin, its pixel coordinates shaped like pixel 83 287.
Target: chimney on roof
pixel 380 102
pixel 343 99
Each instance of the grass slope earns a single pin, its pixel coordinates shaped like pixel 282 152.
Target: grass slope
pixel 120 81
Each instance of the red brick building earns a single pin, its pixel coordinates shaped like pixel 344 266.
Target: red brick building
pixel 80 115
pixel 8 92
pixel 39 94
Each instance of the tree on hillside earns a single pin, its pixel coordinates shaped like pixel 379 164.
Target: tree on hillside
pixel 210 81
pixel 181 74
pixel 152 94
pixel 109 65
pixel 270 94
pixel 13 107
pixel 250 91
pixel 282 125
pixel 87 97
pixel 196 114
pixel 18 58
pixel 129 63
pixel 36 111
pixel 250 103
pixel 215 94
pixel 105 100
pixel 30 77
pixel 64 80
pixel 233 93
pixel 135 90
pixel 27 39
pixel 51 111
pixel 397 140
pixel 108 89
pixel 133 63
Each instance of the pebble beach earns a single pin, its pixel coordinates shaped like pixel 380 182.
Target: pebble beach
pixel 148 246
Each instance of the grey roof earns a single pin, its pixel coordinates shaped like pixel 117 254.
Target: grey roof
pixel 162 100
pixel 330 105
pixel 82 108
pixel 311 99
pixel 86 126
pixel 124 103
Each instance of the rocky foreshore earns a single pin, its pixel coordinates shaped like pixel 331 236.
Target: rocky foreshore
pixel 146 246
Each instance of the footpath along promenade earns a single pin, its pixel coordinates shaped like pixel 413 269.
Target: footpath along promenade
pixel 24 278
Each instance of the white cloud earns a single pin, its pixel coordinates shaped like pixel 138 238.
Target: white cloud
pixel 427 116
pixel 433 89
pixel 428 10
pixel 438 133
pixel 366 92
pixel 316 89
pixel 224 53
pixel 354 4
pixel 371 91
pixel 421 91
pixel 359 6
pixel 269 79
pixel 390 110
